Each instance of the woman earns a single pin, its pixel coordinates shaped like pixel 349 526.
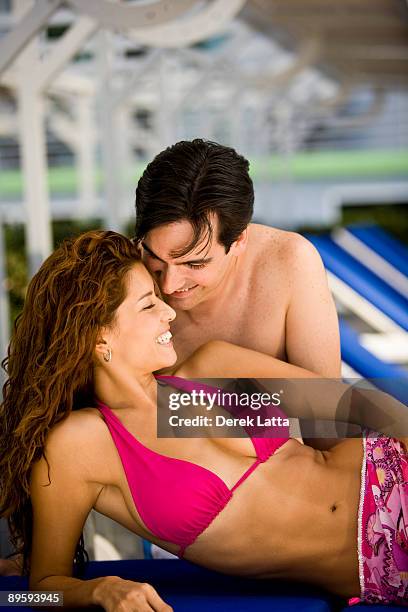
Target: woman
pixel 78 431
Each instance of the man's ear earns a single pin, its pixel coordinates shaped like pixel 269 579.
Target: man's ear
pixel 240 243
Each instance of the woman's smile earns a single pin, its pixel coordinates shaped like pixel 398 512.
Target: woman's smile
pixel 165 339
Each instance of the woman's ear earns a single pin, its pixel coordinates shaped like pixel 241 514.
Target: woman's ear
pixel 102 349
pixel 103 343
pixel 101 346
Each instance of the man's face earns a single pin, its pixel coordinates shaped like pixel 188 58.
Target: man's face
pixel 191 279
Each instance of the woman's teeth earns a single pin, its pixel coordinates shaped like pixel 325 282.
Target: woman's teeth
pixel 164 338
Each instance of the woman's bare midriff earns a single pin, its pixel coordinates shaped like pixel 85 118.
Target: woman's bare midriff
pixel 294 517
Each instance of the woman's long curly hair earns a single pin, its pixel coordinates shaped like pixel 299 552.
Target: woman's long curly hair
pixel 50 363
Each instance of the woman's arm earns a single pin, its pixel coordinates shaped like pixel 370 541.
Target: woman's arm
pixel 219 359
pixel 306 395
pixel 59 513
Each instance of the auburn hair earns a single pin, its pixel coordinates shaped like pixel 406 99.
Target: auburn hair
pixel 50 363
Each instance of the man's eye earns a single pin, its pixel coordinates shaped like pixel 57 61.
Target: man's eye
pixel 196 266
pixel 150 255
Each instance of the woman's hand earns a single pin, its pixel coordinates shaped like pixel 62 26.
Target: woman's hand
pixel 11 566
pixel 117 595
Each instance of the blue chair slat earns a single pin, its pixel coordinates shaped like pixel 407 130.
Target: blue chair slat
pixel 362 280
pixel 382 243
pixel 390 378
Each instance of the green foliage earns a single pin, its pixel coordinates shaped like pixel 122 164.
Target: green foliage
pixel 68 228
pixel 16 273
pixel 393 218
pixel 16 268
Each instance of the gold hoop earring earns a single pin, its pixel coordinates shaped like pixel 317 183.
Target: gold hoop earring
pixel 107 356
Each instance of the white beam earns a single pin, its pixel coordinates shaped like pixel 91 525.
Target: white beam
pixel 199 26
pixel 63 51
pixel 123 16
pixel 66 129
pixel 32 22
pixel 85 157
pixel 120 95
pixel 66 83
pixel 210 67
pixel 308 53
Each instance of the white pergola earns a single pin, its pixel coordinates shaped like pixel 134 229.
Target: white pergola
pixel 22 66
pixel 177 80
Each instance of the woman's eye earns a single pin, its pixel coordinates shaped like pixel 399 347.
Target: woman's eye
pixel 148 307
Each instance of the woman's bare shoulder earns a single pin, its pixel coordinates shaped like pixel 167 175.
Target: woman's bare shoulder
pixel 78 423
pixel 83 438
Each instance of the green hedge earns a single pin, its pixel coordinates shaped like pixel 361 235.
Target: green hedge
pixel 302 166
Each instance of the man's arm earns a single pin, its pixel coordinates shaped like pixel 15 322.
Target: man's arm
pixel 312 329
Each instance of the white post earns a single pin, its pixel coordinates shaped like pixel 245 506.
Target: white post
pixel 34 166
pixel 33 154
pixel 85 157
pixel 108 134
pixel 125 161
pixel 33 20
pixel 33 77
pixel 164 114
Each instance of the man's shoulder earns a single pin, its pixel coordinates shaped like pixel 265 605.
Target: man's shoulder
pixel 283 247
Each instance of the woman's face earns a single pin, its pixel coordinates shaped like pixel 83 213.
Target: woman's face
pixel 140 336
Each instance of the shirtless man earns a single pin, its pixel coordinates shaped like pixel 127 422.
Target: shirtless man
pixel 229 279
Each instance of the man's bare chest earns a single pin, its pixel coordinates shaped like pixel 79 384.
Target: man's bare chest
pixel 257 328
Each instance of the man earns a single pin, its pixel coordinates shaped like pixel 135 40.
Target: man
pixel 229 279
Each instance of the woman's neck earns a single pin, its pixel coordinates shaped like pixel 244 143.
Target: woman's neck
pixel 121 389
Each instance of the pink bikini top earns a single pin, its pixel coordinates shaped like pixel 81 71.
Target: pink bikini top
pixel 176 499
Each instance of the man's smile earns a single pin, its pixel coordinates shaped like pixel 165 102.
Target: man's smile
pixel 181 293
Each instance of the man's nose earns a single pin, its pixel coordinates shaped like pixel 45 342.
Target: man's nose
pixel 167 314
pixel 171 279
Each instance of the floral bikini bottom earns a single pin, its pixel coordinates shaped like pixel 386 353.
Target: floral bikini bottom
pixel 383 521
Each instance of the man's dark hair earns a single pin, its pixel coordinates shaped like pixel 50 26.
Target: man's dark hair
pixel 190 181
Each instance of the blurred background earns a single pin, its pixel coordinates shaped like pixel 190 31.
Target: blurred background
pixel 313 92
